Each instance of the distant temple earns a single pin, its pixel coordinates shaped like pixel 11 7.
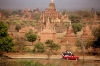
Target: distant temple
pixel 36 10
pixel 95 16
pixel 52 13
pixel 26 29
pixel 26 14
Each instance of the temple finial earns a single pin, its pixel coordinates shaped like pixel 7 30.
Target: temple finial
pixel 51 1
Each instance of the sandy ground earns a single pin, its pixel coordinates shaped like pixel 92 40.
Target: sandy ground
pixel 30 55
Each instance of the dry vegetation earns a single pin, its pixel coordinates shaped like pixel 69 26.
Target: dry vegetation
pixel 61 62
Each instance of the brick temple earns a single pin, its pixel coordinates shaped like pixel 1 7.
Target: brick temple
pixel 52 13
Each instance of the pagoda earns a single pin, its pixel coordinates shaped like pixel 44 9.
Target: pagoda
pixel 70 37
pixel 52 13
pixel 95 16
pixel 65 18
pixel 26 14
pixel 86 32
pixel 26 29
pixel 36 10
pixel 48 32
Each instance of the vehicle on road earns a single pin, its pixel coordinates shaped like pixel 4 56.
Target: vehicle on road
pixel 69 56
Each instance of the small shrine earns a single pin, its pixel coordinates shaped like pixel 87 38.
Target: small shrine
pixel 86 32
pixel 70 37
pixel 26 29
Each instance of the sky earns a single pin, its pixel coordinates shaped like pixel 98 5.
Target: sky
pixel 42 4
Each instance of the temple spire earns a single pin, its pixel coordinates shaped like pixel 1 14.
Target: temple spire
pixel 51 1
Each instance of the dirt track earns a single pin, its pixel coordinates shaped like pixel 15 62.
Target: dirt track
pixel 30 55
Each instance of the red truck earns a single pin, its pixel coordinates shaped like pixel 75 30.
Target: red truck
pixel 69 56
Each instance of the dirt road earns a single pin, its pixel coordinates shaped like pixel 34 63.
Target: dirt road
pixel 30 55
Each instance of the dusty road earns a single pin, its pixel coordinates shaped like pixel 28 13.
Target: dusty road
pixel 30 55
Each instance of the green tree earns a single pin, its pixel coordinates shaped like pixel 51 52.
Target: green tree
pixel 33 24
pixel 77 27
pixel 28 33
pixel 64 12
pixel 31 38
pixel 6 42
pixel 51 46
pixel 39 47
pixel 18 27
pixel 96 32
pixel 78 44
pixel 66 24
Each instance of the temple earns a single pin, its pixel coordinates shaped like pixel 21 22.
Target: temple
pixel 48 32
pixel 87 32
pixel 70 37
pixel 26 15
pixel 36 10
pixel 52 13
pixel 26 29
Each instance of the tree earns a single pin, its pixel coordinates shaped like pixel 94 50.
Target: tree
pixel 6 42
pixel 31 38
pixel 96 43
pixel 51 46
pixel 96 32
pixel 75 18
pixel 39 47
pixel 18 27
pixel 86 43
pixel 78 44
pixel 64 12
pixel 66 24
pixel 19 45
pixel 77 27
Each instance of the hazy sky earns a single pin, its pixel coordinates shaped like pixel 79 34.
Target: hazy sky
pixel 42 4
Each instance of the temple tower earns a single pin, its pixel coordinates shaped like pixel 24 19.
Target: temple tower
pixel 26 14
pixel 70 37
pixel 86 32
pixel 95 16
pixel 48 32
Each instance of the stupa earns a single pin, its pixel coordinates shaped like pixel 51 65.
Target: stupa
pixel 70 37
pixel 48 32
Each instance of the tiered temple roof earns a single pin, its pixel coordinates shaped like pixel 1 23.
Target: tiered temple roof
pixel 52 13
